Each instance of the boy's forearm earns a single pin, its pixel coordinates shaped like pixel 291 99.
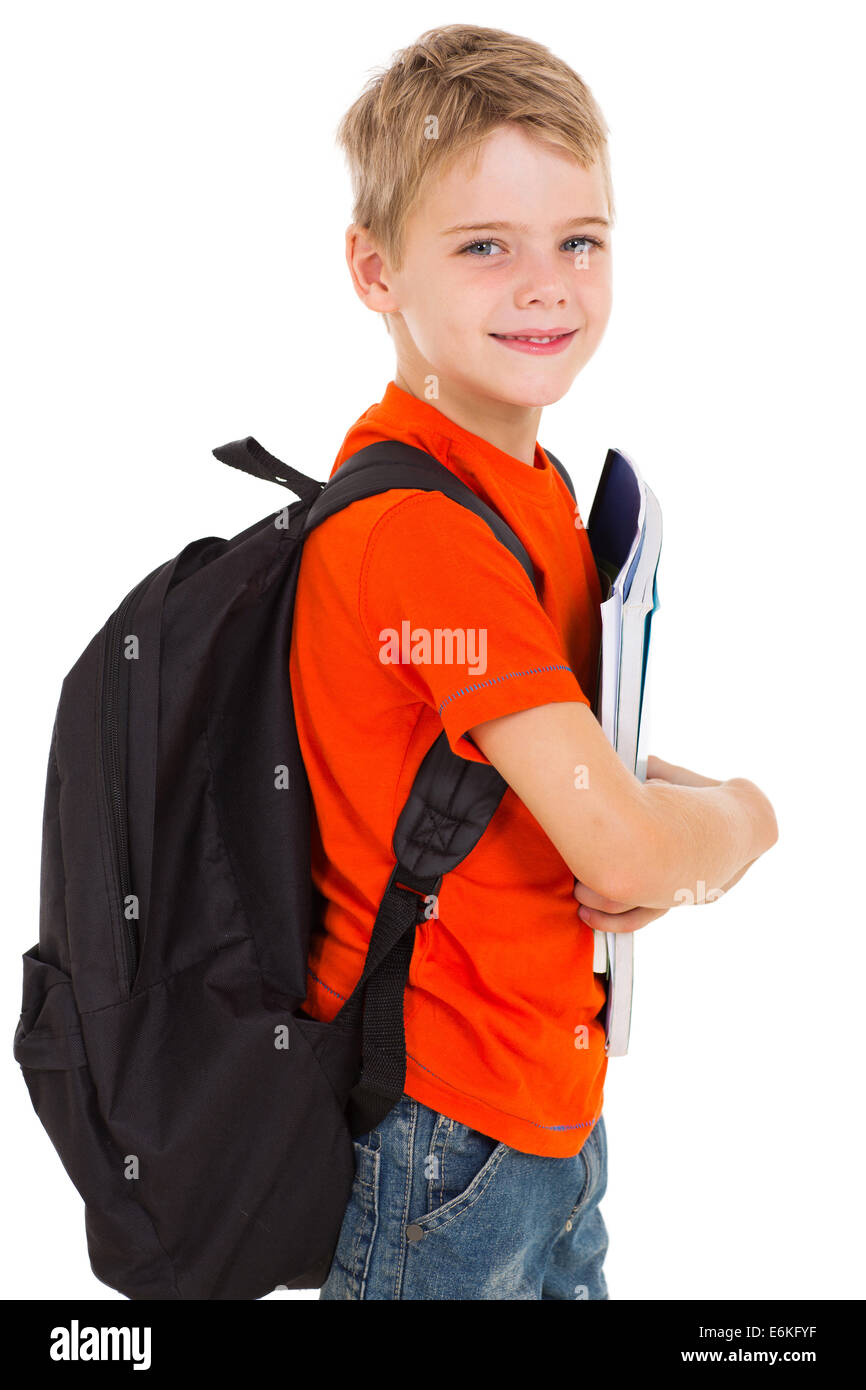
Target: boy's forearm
pixel 627 840
pixel 697 840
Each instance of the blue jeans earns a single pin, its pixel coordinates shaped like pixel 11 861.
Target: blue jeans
pixel 441 1211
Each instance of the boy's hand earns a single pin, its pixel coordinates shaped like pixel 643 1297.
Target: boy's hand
pixel 657 770
pixel 603 914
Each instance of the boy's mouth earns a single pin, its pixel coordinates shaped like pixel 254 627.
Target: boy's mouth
pixel 542 344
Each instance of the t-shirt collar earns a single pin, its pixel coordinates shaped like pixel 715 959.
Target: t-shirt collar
pixel 405 408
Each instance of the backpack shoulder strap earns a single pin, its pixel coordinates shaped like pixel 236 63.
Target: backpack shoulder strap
pixel 449 806
pixel 391 464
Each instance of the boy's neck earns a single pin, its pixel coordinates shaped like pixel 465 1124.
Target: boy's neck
pixel 511 428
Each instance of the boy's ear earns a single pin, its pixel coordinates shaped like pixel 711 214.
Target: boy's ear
pixel 369 273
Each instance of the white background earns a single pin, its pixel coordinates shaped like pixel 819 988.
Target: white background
pixel 175 207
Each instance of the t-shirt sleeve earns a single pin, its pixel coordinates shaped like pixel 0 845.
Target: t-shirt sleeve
pixel 455 616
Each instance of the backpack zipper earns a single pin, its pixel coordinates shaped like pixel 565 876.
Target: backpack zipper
pixel 114 790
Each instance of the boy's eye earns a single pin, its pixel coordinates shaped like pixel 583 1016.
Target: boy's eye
pixel 473 244
pixel 585 241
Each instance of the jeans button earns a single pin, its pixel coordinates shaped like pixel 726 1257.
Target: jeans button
pixel 414 1232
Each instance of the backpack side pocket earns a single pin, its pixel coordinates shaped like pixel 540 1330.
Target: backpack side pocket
pixel 49 1048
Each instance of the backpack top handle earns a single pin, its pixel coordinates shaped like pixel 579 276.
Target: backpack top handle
pixel 252 457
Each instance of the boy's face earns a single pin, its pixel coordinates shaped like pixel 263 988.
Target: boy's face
pixel 459 291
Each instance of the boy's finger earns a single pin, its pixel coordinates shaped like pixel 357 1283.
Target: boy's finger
pixel 632 920
pixel 590 898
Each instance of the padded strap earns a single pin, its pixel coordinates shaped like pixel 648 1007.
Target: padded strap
pixel 391 464
pixel 447 811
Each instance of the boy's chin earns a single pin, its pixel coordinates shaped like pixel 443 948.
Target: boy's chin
pixel 531 390
pixel 529 394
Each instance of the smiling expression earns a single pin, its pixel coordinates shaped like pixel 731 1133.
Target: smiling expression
pixel 541 267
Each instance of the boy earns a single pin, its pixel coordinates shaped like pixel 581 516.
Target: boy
pixel 483 211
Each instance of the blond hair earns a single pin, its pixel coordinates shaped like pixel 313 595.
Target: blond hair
pixel 470 80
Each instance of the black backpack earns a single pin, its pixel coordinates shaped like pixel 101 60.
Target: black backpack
pixel 205 1119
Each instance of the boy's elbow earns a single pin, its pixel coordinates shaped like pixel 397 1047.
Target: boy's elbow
pixel 633 869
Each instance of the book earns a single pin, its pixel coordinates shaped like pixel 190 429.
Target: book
pixel 625 534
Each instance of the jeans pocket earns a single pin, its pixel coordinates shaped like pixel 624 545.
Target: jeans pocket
pixel 600 1132
pixel 366 1151
pixel 594 1155
pixel 457 1168
pixel 351 1263
pixel 599 1136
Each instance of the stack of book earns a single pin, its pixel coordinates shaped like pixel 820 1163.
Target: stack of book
pixel 625 533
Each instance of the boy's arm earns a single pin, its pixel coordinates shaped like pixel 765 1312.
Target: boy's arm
pixel 631 841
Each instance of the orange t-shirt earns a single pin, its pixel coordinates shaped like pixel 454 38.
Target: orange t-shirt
pixel 501 1002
